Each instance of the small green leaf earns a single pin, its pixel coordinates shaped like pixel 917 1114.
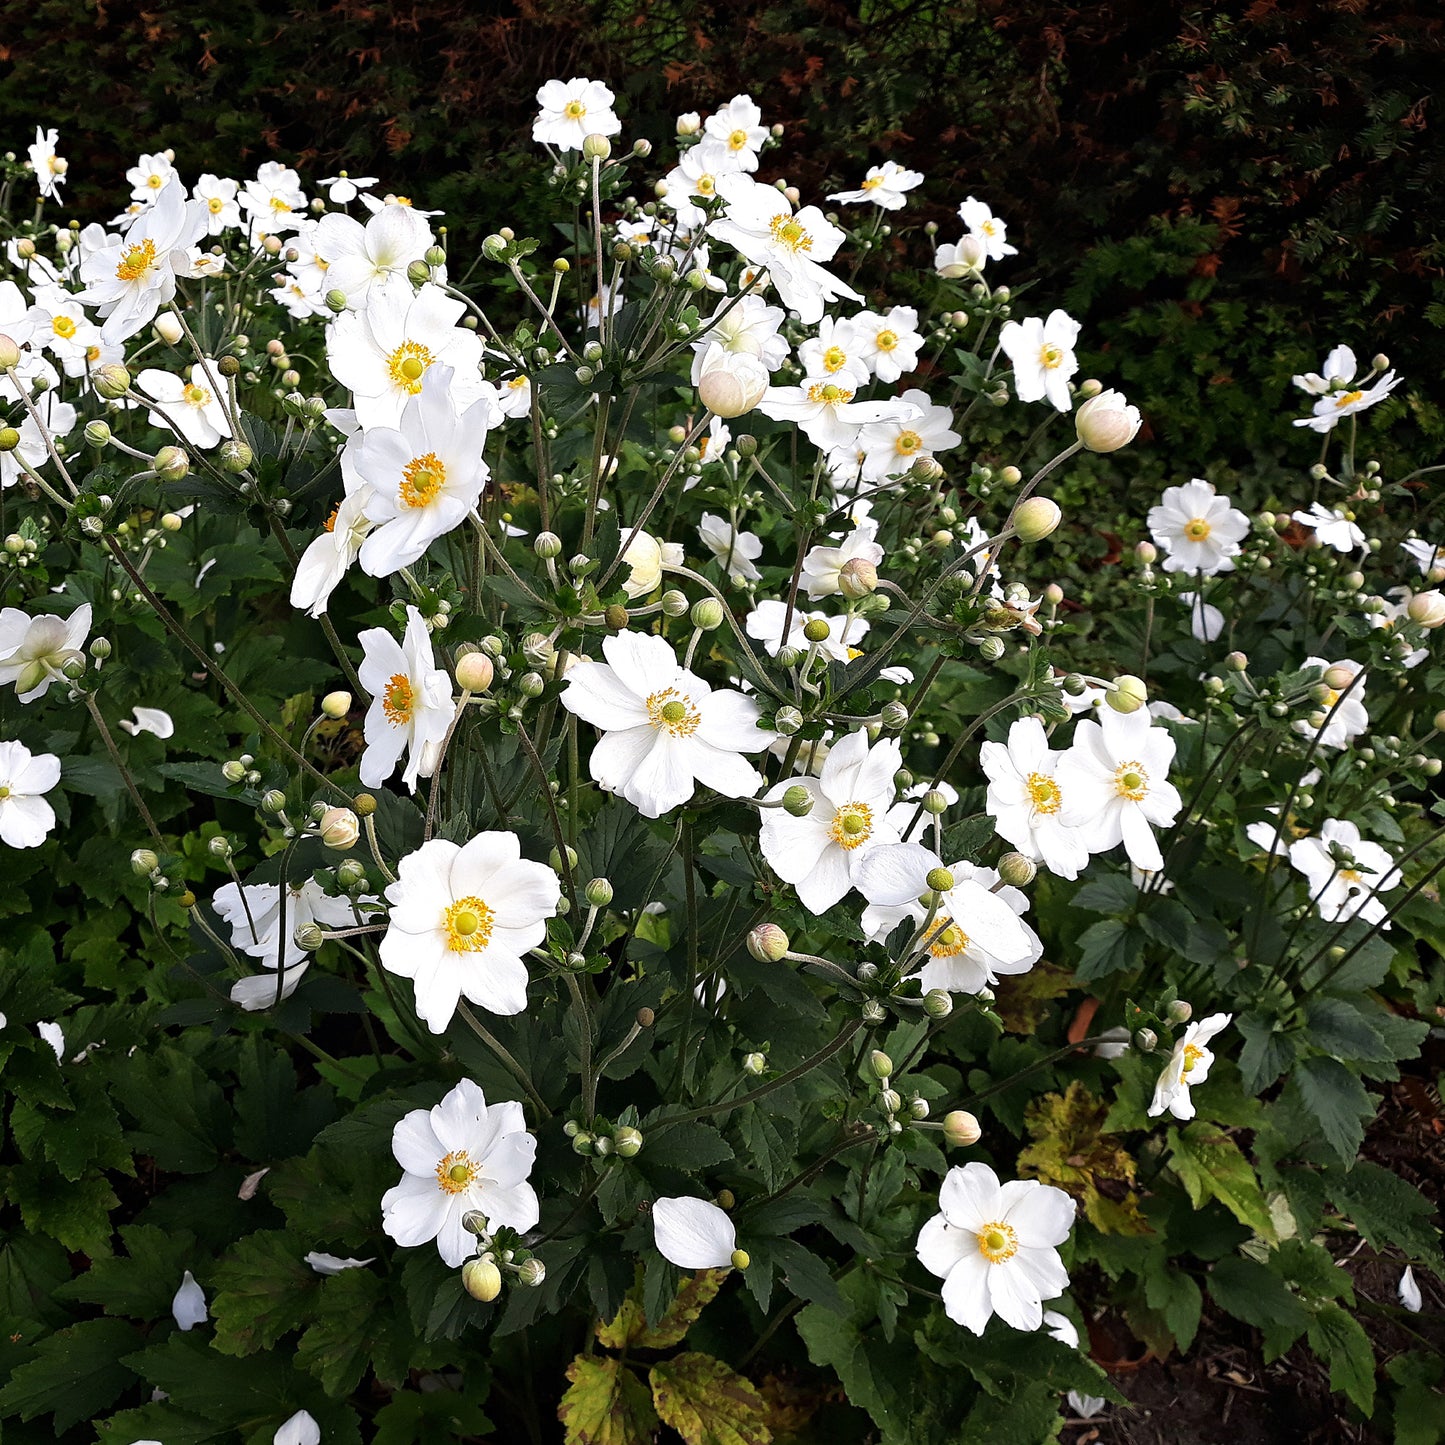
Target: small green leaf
pixel 1338 1102
pixel 1210 1166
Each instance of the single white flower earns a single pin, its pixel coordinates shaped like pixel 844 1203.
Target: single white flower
pixel 1206 621
pixel 738 129
pixel 190 406
pixel 383 353
pixel 827 414
pixel 515 396
pixel 692 180
pixel 1186 1066
pixel 891 446
pixel 964 257
pixel 1334 528
pixel 274 200
pixel 889 344
pixel 150 176
pixel 759 224
pixel 664 729
pixel 747 326
pixel 693 1233
pixel 60 325
pixel 1105 422
pixel 1345 872
pixel 329 556
pixel 1025 799
pixel 218 195
pixel 976 932
pixel 820 853
pixel 1343 716
pixel 1408 1291
pixel 572 110
pixel 461 921
pixel 359 257
pixel 130 280
pixel 25 777
pixel 189 1305
pixel 1427 556
pixel 300 1429
pixel 375 203
pixel 1115 784
pixel 253 912
pixel 149 720
pixel 736 550
pixel 765 624
pixel 995 1246
pixel 411 707
pixel 1338 371
pixel 48 167
pixel 1329 411
pixel 462 1155
pixel 833 354
pixel 329 1264
pixel 1199 529
pixel 1042 354
pixel 987 228
pixel 342 189
pixel 729 383
pixel 885 186
pixel 34 650
pixel 426 475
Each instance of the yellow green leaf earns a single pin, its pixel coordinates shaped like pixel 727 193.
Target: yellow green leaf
pixel 629 1326
pixel 606 1404
pixel 708 1403
pixel 1210 1166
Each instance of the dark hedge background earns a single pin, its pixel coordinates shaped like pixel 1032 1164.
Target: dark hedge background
pixel 1219 191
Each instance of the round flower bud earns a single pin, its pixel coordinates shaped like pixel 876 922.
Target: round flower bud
pixel 961 1129
pixel 674 602
pixel 991 649
pixel 754 1065
pixel 273 800
pixel 9 353
pixel 350 873
pixel 1127 695
pixel 418 273
pixel 143 862
pixel 767 943
pixel 873 1013
pixel 741 1259
pixel 168 327
pixel 1338 678
pixel 475 672
pixel 547 545
pixel 233 771
pixel 97 434
pixel 336 705
pixel 880 1064
pixel 940 880
pixel 1426 608
pixel 918 1108
pixel 787 720
pixel 220 847
pixel 798 801
pixel 627 1141
pixel 482 1279
pixel 235 456
pixel 531 684
pixel 1179 1012
pixel 602 1146
pixel 1107 422
pixel 857 577
pixel 616 617
pixel 707 614
pixel 1036 519
pixel 582 1143
pixel 364 805
pixel 111 381
pixel 555 859
pixel 894 716
pixel 731 383
pixel 1146 1041
pixel 596 147
pixel 1016 870
pixel 937 1003
pixel 531 1272
pixel 171 464
pixel 1146 552
pixel 309 937
pixel 891 1101
pixel 172 521
pixel 339 829
pixel 816 630
pixel 787 657
pixel 598 893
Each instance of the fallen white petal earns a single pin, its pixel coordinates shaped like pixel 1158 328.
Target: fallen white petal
pixel 334 1264
pixel 300 1429
pixel 1409 1291
pixel 150 720
pixel 189 1305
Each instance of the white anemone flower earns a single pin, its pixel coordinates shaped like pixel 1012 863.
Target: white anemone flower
pixel 130 280
pixel 1329 411
pixel 329 556
pixel 253 912
pixel 1186 1066
pixel 342 189
pixel 34 650
pixel 190 406
pixel 1042 354
pixel 890 447
pixel 664 729
pixel 834 353
pixel 188 1308
pixel 1025 799
pixel 995 1246
pixel 59 324
pixel 462 1155
pixel 976 932
pixel 426 475
pixel 48 167
pixel 1338 371
pixel 25 777
pixel 987 228
pixel 693 1233
pixel 820 853
pixel 827 414
pixel 218 195
pixel 886 186
pixel 274 200
pixel 1116 787
pixel 765 624
pixel 383 354
pixel 964 257
pixel 462 919
pixel 746 327
pixel 759 224
pixel 571 110
pixel 692 180
pixel 1345 716
pixel 1334 528
pixel 736 550
pixel 1427 556
pixel 1198 529
pixel 149 720
pixel 360 257
pixel 889 343
pixel 150 176
pixel 737 129
pixel 411 707
pixel 646 557
pixel 1350 885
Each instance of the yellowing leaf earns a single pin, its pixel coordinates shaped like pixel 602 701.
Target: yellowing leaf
pixel 629 1326
pixel 606 1404
pixel 707 1403
pixel 1072 1151
pixel 1210 1166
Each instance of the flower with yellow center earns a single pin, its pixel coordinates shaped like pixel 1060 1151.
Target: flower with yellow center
pixel 136 261
pixel 1044 794
pixel 995 1246
pixel 789 232
pixel 408 364
pixel 1200 530
pixel 852 826
pixel 574 110
pixel 411 702
pixel 463 1155
pixel 1187 1067
pixel 468 925
pixel 1026 800
pixel 63 327
pixel 188 404
pixel 25 777
pixel 215 205
pixel 908 443
pixel 1131 780
pixel 571 110
pixel 397 701
pixel 422 480
pixel 1196 529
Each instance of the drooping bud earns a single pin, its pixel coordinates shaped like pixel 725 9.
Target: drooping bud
pixel 767 943
pixel 1036 519
pixel 9 353
pixel 1127 695
pixel 1427 609
pixel 961 1129
pixel 309 937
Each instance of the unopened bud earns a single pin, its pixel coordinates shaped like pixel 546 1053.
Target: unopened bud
pixel 1036 519
pixel 918 1108
pixel 767 943
pixel 547 545
pixel 1016 870
pixel 171 464
pixel 555 859
pixel 598 893
pixel 596 147
pixel 798 801
pixel 890 1100
pixel 707 614
pixel 482 1279
pixel 273 800
pixel 894 716
pixel 961 1129
pixel 1179 1012
pixel 1427 609
pixel 880 1064
pixel 754 1065
pixel 309 937
pixel 1237 662
pixel 1127 695
pixel 937 1003
pixel 143 862
pixel 233 771
pixel 168 328
pixel 627 1141
pixel 9 353
pixel 1146 1040
pixel 1338 678
pixel 531 1272
pixel 475 672
pixel 339 829
pixel 741 1259
pixel 857 577
pixel 1146 552
pixel 787 720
